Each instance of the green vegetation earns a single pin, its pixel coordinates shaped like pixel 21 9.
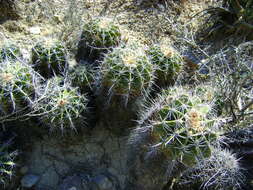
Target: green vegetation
pixel 220 171
pixel 168 62
pixel 98 36
pixel 16 86
pixel 127 71
pixel 49 58
pixel 61 105
pixel 82 76
pixel 192 99
pixel 180 126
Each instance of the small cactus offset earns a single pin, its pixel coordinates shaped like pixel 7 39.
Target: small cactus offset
pixel 178 125
pixel 60 105
pixel 9 52
pixel 98 36
pixel 6 163
pixel 49 58
pixel 220 171
pixel 17 81
pixel 168 62
pixel 127 71
pixel 82 76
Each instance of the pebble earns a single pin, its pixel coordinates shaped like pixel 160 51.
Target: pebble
pixel 29 180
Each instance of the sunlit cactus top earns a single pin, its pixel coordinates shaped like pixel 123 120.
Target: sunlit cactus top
pixel 168 62
pixel 101 33
pixel 49 58
pixel 181 125
pixel 127 70
pixel 60 105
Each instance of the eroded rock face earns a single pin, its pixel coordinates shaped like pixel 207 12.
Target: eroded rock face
pixel 29 180
pixel 96 161
pixel 74 182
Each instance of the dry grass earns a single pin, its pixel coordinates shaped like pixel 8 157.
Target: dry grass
pixel 63 19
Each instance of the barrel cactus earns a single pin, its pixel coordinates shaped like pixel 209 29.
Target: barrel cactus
pixel 127 71
pixel 168 62
pixel 220 171
pixel 82 76
pixel 60 105
pixel 178 124
pixel 49 58
pixel 6 163
pixel 98 35
pixel 17 81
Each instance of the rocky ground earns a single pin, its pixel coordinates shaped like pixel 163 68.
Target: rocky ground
pixel 101 158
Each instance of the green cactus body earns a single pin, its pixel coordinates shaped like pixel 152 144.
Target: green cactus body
pixel 49 59
pixel 83 77
pixel 10 52
pixel 61 105
pixel 6 163
pixel 222 164
pixel 168 63
pixel 98 35
pixel 180 126
pixel 16 86
pixel 127 71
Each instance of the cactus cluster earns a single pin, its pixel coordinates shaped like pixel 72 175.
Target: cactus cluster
pixel 82 76
pixel 98 35
pixel 49 58
pixel 168 62
pixel 127 71
pixel 220 171
pixel 16 86
pixel 6 162
pixel 60 105
pixel 179 126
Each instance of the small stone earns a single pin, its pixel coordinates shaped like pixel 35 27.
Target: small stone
pixel 102 182
pixel 35 30
pixel 74 182
pixel 24 170
pixel 29 180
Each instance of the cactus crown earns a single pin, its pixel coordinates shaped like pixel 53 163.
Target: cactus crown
pixel 180 126
pixel 49 58
pixel 101 33
pixel 168 62
pixel 127 71
pixel 61 105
